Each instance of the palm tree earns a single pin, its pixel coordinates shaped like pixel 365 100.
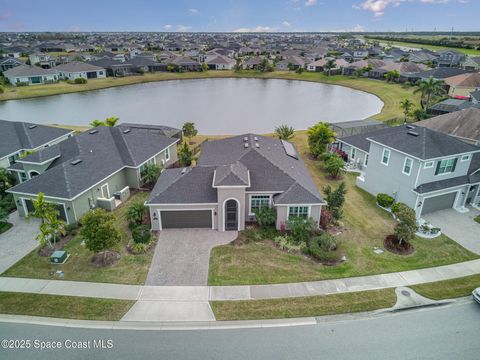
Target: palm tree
pixel 96 123
pixel 111 121
pixel 136 213
pixel 428 89
pixel 406 106
pixel 330 64
pixel 284 132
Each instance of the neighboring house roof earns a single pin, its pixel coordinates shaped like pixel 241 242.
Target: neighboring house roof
pixel 451 105
pixel 470 80
pixel 421 142
pixel 161 129
pixel 15 136
pixel 475 95
pixel 10 61
pixel 267 167
pixel 403 67
pixel 102 151
pixel 221 60
pixel 183 61
pixel 28 70
pixel 464 124
pixel 443 184
pixel 78 66
pixel 359 141
pixel 441 73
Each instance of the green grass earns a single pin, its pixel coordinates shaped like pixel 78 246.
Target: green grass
pixel 413 44
pixel 130 269
pixel 449 289
pixel 366 226
pixel 477 219
pixel 5 226
pixel 304 306
pixel 391 94
pixel 68 307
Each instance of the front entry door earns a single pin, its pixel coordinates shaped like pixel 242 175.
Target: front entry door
pixel 472 194
pixel 231 215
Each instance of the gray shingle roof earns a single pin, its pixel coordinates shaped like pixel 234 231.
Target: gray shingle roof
pixel 15 136
pixel 78 66
pixel 28 70
pixel 102 153
pixel 442 184
pixel 232 175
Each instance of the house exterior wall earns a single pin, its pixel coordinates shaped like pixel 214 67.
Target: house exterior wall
pixel 461 91
pixel 81 74
pixel 428 175
pixel 28 79
pixel 224 194
pixel 282 214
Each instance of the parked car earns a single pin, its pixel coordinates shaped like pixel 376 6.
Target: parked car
pixel 476 295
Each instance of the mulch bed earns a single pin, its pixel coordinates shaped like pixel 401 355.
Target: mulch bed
pixel 391 244
pixel 111 258
pixel 47 251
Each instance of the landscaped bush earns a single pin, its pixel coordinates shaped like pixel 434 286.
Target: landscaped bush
pixel 326 241
pixel 2 90
pixel 72 229
pixel 315 251
pixel 477 219
pixel 385 200
pixel 325 218
pixel 8 203
pixel 285 243
pixel 139 248
pixel 22 83
pixel 266 216
pixel 252 234
pixel 301 229
pixel 80 81
pixel 141 234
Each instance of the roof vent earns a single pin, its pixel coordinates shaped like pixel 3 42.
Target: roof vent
pixel 75 162
pixel 255 138
pixel 126 131
pixel 257 145
pixel 91 132
pixel 410 127
pixel 246 145
pixel 413 133
pixel 245 138
pixel 32 126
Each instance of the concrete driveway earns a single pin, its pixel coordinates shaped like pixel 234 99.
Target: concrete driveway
pixel 18 241
pixel 182 256
pixel 460 227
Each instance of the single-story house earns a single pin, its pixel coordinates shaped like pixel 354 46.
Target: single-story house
pixel 233 178
pixel 319 65
pixel 291 63
pixel 94 169
pixel 471 63
pixel 77 69
pixel 31 75
pixel 462 85
pixel 185 63
pixel 449 106
pixel 17 138
pixel 7 63
pixel 221 62
pixel 404 68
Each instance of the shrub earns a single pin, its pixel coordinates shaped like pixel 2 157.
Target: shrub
pixel 2 90
pixel 434 230
pixel 334 165
pixel 301 229
pixel 7 202
pixel 139 248
pixel 325 218
pixel 72 229
pixel 266 216
pixel 335 200
pixel 284 243
pixel 141 234
pixel 385 200
pixel 319 136
pixel 284 132
pixel 318 253
pixel 325 241
pixel 136 213
pixel 80 81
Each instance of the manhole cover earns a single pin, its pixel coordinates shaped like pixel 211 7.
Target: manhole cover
pixel 405 293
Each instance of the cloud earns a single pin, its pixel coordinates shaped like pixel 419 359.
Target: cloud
pixel 167 27
pixel 74 28
pixel 257 29
pixel 358 28
pixel 310 2
pixel 193 11
pixel 378 7
pixel 5 16
pixel 286 24
pixel 182 28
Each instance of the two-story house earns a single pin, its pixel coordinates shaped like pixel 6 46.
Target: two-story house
pixel 450 58
pixel 94 169
pixel 235 177
pixel 423 168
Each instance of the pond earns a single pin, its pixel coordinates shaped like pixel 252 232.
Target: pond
pixel 216 106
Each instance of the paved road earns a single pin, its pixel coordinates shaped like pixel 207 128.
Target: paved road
pixel 449 332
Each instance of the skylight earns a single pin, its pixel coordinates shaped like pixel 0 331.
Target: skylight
pixel 289 149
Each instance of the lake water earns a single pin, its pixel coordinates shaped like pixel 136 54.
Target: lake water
pixel 216 106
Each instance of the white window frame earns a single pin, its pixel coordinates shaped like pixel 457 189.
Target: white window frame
pixel 309 209
pixel 365 160
pixel 108 191
pixel 446 172
pixel 167 154
pixel 388 157
pixel 465 157
pixel 429 164
pixel 250 212
pixel 405 163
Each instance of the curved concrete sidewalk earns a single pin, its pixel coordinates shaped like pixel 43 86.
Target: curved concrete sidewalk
pixel 203 294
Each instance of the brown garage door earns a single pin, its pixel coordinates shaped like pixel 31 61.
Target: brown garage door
pixel 186 219
pixel 438 203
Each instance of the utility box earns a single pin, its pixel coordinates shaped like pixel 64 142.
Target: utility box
pixel 58 257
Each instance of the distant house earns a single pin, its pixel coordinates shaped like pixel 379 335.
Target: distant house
pixel 422 56
pixel 319 65
pixel 31 75
pixel 43 60
pixel 449 106
pixel 77 69
pixel 113 67
pixel 145 64
pixel 221 62
pixel 437 74
pixel 404 68
pixel 462 85
pixel 450 58
pixel 350 69
pixel 7 63
pixel 472 63
pixel 18 138
pixel 291 63
pixel 475 97
pixel 185 64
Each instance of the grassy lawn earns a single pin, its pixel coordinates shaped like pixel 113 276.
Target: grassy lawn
pixel 366 224
pixel 449 289
pixel 130 269
pixel 391 94
pixel 413 44
pixel 68 307
pixel 5 226
pixel 304 306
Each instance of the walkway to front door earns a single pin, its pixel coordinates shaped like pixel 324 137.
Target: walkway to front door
pixel 182 256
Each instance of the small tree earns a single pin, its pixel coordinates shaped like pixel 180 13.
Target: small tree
pixel 204 67
pixel 136 213
pixel 96 123
pixel 50 225
pixel 150 173
pixel 301 229
pixel 329 65
pixel 319 136
pixel 3 215
pixel 189 130
pixel 407 227
pixel 99 231
pixel 185 155
pixel 284 132
pixel 7 180
pixel 392 76
pixel 111 121
pixel 406 105
pixel 334 166
pixel 335 200
pixel 266 216
pixel 419 114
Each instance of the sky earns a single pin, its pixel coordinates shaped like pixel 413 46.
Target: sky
pixel 239 15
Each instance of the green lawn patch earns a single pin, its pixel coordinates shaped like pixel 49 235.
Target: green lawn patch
pixel 449 289
pixel 5 226
pixel 366 227
pixel 130 269
pixel 477 219
pixel 68 307
pixel 304 306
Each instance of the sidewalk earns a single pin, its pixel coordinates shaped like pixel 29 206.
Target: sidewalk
pixel 203 294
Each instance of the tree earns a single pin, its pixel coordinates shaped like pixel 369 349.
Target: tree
pixel 406 106
pixel 99 231
pixel 151 173
pixel 319 136
pixel 290 67
pixel 284 132
pixel 299 70
pixel 334 165
pixel 136 213
pixel 335 200
pixel 3 215
pixel 329 65
pixel 110 121
pixel 189 130
pixel 96 123
pixel 204 67
pixel 51 224
pixel 7 180
pixel 428 89
pixel 185 155
pixel 419 114
pixel 392 76
pixel 407 227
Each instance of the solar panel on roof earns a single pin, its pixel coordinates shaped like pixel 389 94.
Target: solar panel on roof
pixel 289 149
